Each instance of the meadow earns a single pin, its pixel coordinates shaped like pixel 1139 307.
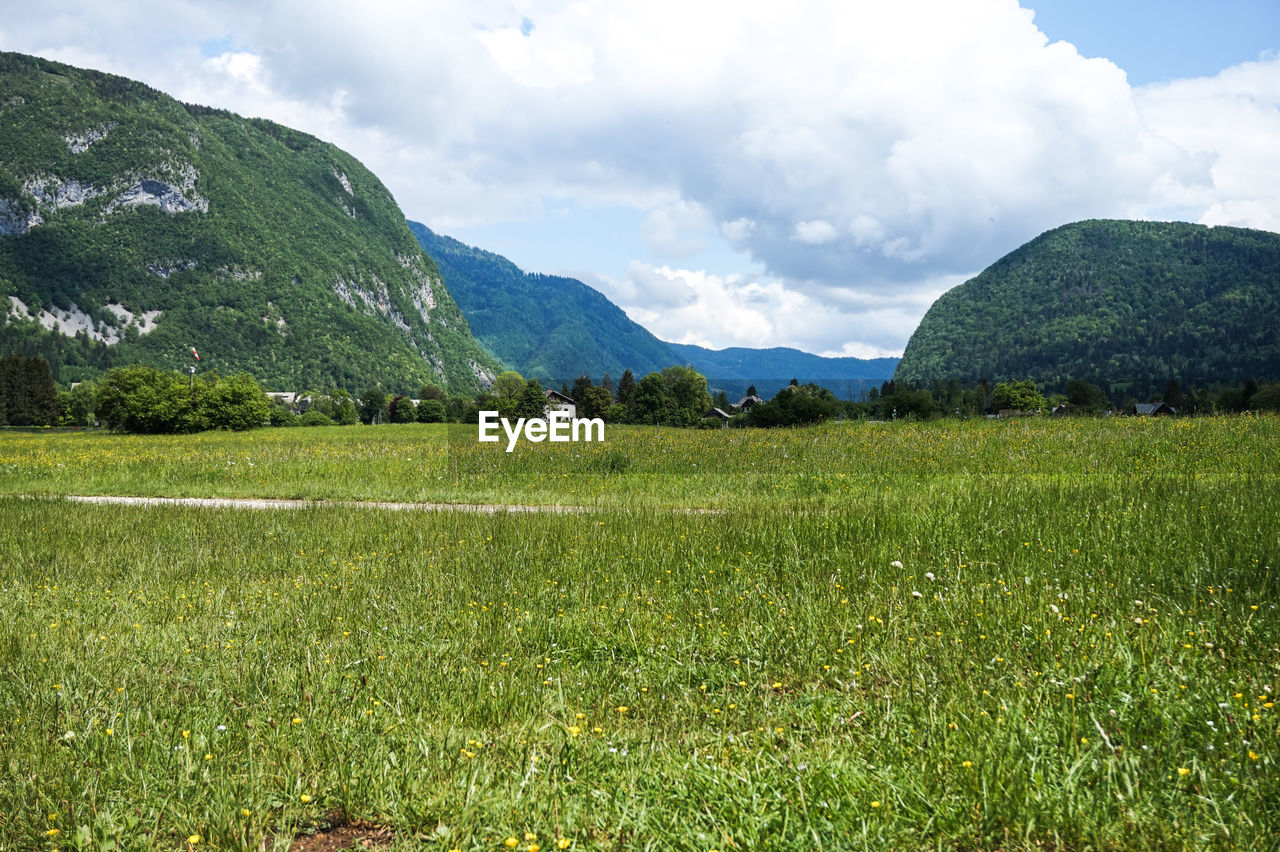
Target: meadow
pixel 960 635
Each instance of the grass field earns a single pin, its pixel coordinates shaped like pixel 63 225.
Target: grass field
pixel 1013 635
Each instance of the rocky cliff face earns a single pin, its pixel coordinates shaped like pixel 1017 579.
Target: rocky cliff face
pixel 141 227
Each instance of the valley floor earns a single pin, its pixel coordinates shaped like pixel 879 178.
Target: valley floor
pixel 961 635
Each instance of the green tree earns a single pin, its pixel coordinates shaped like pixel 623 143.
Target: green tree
pixel 650 402
pixel 401 410
pixel 344 411
pixel 580 387
pixel 1266 399
pixel 795 405
pixel 626 387
pixel 1020 396
pixel 431 411
pixel 28 396
pixel 689 397
pixel 1086 396
pixel 313 417
pixel 594 402
pixel 532 401
pixel 237 402
pixel 506 389
pixel 143 399
pixel 373 405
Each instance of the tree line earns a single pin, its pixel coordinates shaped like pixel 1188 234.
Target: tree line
pixel 145 399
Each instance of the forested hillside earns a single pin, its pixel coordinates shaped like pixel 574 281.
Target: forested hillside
pixel 543 326
pixel 133 227
pixel 1126 305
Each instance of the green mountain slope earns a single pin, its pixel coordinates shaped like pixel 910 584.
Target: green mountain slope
pixel 1126 305
pixel 133 227
pixel 736 367
pixel 556 329
pixel 542 326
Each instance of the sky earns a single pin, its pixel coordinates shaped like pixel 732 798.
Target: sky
pixel 809 174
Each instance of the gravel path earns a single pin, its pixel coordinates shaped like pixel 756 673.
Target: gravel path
pixel 266 503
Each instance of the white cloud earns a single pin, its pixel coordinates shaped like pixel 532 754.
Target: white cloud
pixel 815 232
pixel 738 231
pixel 696 306
pixel 1230 123
pixel 857 152
pixel 677 230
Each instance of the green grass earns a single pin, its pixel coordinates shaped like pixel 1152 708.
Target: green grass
pixel 459 677
pixel 826 466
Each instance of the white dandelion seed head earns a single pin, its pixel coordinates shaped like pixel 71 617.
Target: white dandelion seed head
pixel 916 594
pixel 928 575
pixel 895 564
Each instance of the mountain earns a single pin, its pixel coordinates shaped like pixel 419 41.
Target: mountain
pixel 1125 305
pixel 133 227
pixel 556 329
pixel 735 368
pixel 542 326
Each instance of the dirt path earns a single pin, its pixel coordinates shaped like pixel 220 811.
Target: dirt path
pixel 270 503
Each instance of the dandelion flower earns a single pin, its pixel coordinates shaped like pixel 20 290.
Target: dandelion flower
pixel 193 839
pixel 511 842
pixel 875 804
pixel 304 798
pixel 564 843
pixel 1182 770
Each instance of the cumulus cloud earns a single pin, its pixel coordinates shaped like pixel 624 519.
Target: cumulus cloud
pixel 859 153
pixel 815 232
pixel 716 311
pixel 677 230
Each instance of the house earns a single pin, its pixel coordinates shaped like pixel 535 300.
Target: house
pixel 291 401
pixel 747 403
pixel 723 415
pixel 557 401
pixel 1154 409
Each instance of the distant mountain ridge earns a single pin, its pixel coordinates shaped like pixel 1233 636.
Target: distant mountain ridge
pixel 554 329
pixel 543 326
pixel 1126 305
pixel 736 367
pixel 134 227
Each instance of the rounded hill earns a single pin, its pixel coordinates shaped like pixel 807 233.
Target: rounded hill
pixel 1126 305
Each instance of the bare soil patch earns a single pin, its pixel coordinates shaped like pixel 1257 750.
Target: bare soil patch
pixel 342 834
